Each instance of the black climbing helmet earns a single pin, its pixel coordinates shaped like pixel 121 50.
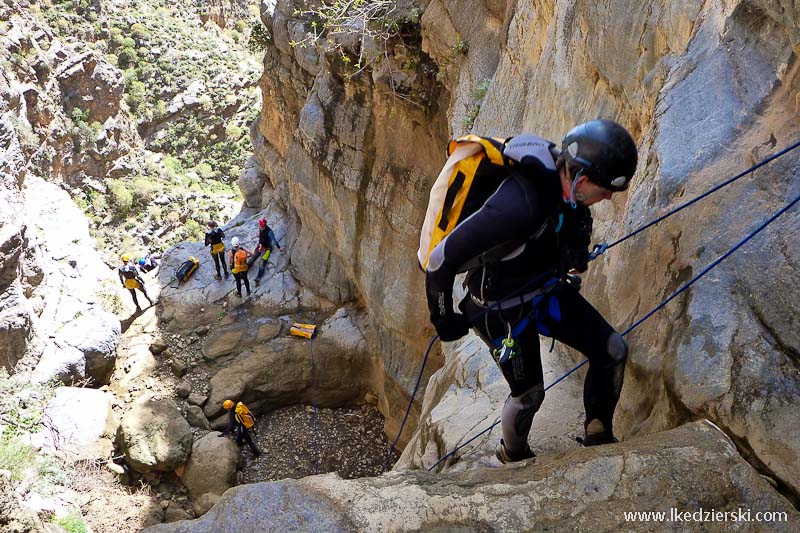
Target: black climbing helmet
pixel 605 150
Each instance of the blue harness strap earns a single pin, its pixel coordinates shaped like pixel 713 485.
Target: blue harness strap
pixel 543 306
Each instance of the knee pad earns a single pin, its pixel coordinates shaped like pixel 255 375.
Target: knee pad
pixel 617 348
pixel 524 407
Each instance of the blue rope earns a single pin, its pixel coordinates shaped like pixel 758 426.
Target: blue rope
pixel 599 249
pixel 648 315
pixel 410 402
pixel 314 407
pixel 473 318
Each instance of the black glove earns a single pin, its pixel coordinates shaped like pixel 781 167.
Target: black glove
pixel 574 258
pixel 451 327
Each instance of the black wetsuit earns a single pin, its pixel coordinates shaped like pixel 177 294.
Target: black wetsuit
pixel 240 433
pixel 214 239
pixel 266 240
pixel 554 238
pixel 127 276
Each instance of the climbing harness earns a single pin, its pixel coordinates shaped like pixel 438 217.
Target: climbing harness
pixel 648 315
pixel 596 252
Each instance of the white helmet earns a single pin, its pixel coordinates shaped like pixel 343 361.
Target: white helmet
pixel 235 242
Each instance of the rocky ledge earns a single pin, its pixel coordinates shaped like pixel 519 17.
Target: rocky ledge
pixel 689 468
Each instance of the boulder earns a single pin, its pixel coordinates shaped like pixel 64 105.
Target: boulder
pixel 13 516
pixel 211 469
pixel 175 512
pixel 277 374
pixel 689 468
pixel 235 337
pixel 154 436
pixel 196 418
pixel 196 398
pixel 80 424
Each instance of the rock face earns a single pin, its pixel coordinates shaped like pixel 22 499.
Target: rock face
pixel 584 489
pixel 52 281
pixel 211 469
pixel 269 376
pixel 335 153
pixel 54 314
pixel 80 424
pixel 154 436
pixel 350 164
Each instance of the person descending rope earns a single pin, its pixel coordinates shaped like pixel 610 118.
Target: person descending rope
pixel 266 240
pixel 239 424
pixel 214 237
pixel 131 280
pixel 238 263
pixel 542 210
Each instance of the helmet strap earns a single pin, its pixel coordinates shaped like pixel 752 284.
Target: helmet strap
pixel 572 202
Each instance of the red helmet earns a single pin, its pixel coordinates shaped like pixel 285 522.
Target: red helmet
pixel 262 223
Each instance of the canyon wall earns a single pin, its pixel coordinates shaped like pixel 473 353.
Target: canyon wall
pixel 707 89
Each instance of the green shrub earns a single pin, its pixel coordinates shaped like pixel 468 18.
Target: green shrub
pixel 16 456
pixel 138 31
pixel 233 132
pixel 127 42
pixel 260 38
pixel 97 201
pixel 460 48
pixel 79 115
pixel 241 26
pixel 469 118
pixel 135 93
pixel 73 523
pixel 126 58
pixel 480 90
pixel 194 230
pixel 204 170
pixel 143 191
pixel 121 196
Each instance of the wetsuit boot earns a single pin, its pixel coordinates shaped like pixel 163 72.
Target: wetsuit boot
pixel 596 434
pixel 505 456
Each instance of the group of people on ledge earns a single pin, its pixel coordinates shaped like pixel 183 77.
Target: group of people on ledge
pixel 239 258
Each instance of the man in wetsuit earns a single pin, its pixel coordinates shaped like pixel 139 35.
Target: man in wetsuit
pixel 214 237
pixel 266 241
pixel 542 210
pixel 130 279
pixel 240 422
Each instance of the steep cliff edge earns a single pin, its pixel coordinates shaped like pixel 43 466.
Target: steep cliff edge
pixel 349 159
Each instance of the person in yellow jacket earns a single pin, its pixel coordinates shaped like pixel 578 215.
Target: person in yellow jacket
pixel 239 424
pixel 214 237
pixel 237 260
pixel 130 279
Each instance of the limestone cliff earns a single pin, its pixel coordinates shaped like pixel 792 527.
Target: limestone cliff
pixel 53 283
pixel 351 162
pixel 706 89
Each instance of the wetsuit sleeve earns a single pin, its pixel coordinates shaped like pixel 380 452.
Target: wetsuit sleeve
pixel 121 279
pixel 208 241
pixel 507 216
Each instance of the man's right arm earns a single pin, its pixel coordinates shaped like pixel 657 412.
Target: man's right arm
pixel 506 216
